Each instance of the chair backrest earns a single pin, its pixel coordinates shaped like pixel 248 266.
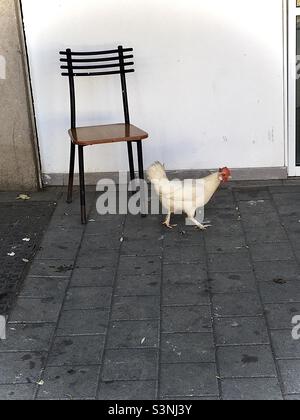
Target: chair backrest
pixel 97 63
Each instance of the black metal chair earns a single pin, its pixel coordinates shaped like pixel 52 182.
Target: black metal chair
pixel 100 63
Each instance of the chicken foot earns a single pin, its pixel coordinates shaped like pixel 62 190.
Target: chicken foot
pixel 199 225
pixel 167 222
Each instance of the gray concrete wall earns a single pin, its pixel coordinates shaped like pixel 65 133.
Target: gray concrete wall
pixel 18 150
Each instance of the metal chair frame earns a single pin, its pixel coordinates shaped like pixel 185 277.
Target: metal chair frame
pixel 98 63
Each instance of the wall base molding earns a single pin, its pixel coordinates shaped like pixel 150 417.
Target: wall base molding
pixel 247 174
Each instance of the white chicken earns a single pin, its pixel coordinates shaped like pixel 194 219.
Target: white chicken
pixel 185 196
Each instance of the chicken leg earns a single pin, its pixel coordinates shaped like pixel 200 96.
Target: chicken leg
pixel 167 222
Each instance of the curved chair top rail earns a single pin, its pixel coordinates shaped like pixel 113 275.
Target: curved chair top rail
pixel 85 53
pixel 114 64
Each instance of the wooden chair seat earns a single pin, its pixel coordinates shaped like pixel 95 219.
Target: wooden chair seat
pixel 103 134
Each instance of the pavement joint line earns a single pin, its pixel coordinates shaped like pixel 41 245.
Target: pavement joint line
pixel 132 348
pixel 278 372
pixel 213 327
pixel 160 329
pixel 281 329
pixel 134 296
pixel 103 308
pixel 209 331
pixel 187 306
pixel 188 333
pixel 188 363
pixel 238 316
pixel 134 320
pixel 222 378
pixel 41 376
pixel 81 335
pixel 243 345
pixel 100 376
pixel 279 302
pixel 171 397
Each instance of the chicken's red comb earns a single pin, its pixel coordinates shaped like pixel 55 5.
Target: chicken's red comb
pixel 225 171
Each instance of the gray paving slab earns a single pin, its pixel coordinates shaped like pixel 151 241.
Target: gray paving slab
pixel 281 251
pixel 188 380
pixel 290 373
pixel 232 282
pixel 133 334
pixel 17 392
pixel 130 365
pixel 280 316
pixel 277 270
pixel 36 310
pixel 251 389
pixel 83 322
pixel 294 397
pixel 185 294
pixel 184 254
pixel 225 245
pixel 184 274
pixel 241 331
pixel 253 194
pixel 187 348
pixel 69 382
pixel 127 391
pixel 125 309
pixel 136 308
pixel 28 338
pixel 186 319
pixel 21 367
pixel 71 351
pixel 51 268
pixel 130 286
pixel 284 345
pixel 93 277
pixel 229 263
pixel 231 305
pixel 246 361
pixel 88 298
pixel 279 291
pixel 44 287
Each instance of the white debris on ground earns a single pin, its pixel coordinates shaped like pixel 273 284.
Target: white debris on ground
pixel 174 349
pixel 254 203
pixel 11 254
pixel 26 239
pixel 143 340
pixel 23 197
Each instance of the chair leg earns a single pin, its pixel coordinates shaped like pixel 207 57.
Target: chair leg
pixel 71 174
pixel 142 177
pixel 82 185
pixel 131 162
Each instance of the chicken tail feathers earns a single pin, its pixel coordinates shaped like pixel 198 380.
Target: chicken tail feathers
pixel 156 172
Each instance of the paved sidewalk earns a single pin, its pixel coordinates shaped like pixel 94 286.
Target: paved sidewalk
pixel 124 309
pixel 22 226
